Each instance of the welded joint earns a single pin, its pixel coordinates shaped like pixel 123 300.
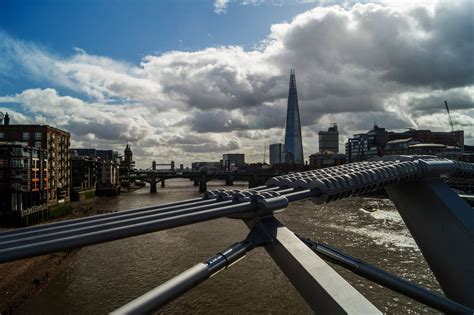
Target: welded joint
pixel 259 235
pixel 269 203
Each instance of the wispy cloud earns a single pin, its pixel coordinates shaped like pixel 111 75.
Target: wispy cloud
pixel 220 6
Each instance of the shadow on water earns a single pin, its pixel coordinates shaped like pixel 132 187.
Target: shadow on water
pixel 104 277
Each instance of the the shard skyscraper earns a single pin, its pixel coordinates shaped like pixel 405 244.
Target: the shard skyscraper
pixel 293 139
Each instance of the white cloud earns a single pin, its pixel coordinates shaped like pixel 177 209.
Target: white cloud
pixel 220 6
pixel 390 64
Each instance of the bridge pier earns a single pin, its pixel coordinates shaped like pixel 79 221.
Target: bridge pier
pixel 163 183
pixel 153 184
pixel 202 184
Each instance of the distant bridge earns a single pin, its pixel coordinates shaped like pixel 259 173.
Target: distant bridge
pixel 200 178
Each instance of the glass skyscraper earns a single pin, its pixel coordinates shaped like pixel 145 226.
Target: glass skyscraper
pixel 293 139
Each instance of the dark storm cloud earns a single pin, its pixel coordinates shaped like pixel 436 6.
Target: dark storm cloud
pixel 433 103
pixel 415 49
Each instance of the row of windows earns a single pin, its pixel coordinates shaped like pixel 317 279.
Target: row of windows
pixel 37 135
pixel 25 136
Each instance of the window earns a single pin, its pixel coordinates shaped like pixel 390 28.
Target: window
pixel 2 135
pixel 26 136
pixel 17 151
pixel 38 144
pixel 17 163
pixel 38 135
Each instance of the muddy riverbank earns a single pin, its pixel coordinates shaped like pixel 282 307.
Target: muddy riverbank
pixel 20 280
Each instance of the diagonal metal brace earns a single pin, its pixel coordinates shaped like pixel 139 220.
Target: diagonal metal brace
pixel 324 290
pixel 386 279
pixel 180 284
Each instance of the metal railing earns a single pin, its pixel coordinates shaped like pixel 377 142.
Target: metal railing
pixel 321 287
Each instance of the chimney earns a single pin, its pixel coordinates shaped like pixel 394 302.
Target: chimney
pixel 6 119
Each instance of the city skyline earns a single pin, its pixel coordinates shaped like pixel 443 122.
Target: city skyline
pixel 228 95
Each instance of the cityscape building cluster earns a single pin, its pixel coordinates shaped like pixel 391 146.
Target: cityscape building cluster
pixel 39 170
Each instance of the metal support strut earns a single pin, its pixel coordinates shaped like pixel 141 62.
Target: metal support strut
pixel 187 280
pixel 386 279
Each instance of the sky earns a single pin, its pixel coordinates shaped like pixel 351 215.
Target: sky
pixel 191 80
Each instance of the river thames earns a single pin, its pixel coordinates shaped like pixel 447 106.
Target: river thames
pixel 103 277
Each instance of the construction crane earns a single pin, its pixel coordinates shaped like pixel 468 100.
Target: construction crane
pixel 449 114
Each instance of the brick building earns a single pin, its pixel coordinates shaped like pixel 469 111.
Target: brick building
pixel 56 143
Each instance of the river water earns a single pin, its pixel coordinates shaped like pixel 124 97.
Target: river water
pixel 106 276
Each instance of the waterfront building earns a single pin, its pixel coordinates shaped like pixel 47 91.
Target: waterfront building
pixel 379 142
pixel 366 145
pixel 84 152
pixel 106 165
pixel 293 138
pixel 23 183
pixel 400 146
pixel 105 155
pixel 206 166
pixel 277 153
pixel 329 140
pixel 84 171
pixel 326 159
pixel 451 138
pixel 56 143
pixel 232 162
pixel 108 173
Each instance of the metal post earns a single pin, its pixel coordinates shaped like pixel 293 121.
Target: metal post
pixel 325 291
pixel 202 184
pixel 442 225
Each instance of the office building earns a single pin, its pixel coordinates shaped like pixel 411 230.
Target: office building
pixel 329 140
pixel 232 162
pixel 379 142
pixel 293 138
pixel 277 153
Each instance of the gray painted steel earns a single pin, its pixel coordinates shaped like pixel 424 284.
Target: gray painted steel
pixel 185 281
pixel 442 225
pixel 387 279
pixel 36 249
pixel 325 291
pixel 12 234
pixel 109 223
pixel 166 292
